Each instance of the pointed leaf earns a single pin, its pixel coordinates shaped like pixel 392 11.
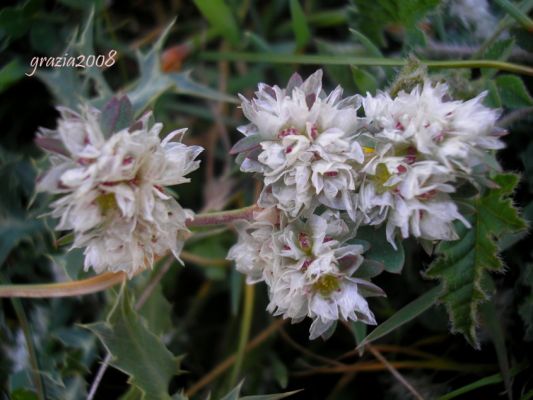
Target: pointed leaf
pixel 404 315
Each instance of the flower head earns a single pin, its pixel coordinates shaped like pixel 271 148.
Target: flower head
pixel 308 266
pixel 305 148
pixel 112 189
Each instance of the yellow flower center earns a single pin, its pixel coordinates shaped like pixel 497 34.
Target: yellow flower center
pixel 327 284
pixel 107 202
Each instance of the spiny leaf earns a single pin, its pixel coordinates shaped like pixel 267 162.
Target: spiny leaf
pixel 136 351
pixel 463 264
pixel 153 82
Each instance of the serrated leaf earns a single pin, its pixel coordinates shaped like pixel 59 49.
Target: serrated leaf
pixel 299 25
pixel 135 350
pixel 513 91
pixel 116 115
pixel 404 315
pixel 463 264
pixel 221 18
pixel 381 250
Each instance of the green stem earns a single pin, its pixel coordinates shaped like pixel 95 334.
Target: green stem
pixel 246 323
pixel 319 59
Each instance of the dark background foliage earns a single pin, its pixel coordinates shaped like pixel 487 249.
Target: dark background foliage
pixel 196 310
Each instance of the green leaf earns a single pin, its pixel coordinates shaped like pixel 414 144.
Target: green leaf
pixel 373 16
pixel 364 80
pixel 153 82
pixel 492 323
pixel 136 351
pixel 493 98
pixel 463 265
pixel 488 380
pixel 300 27
pixel 404 315
pixel 221 18
pixel 500 50
pixel 513 92
pixel 14 231
pixel 372 49
pixel 157 311
pixel 381 250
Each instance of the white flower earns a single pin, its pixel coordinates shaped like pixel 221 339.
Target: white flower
pixel 412 198
pixel 308 267
pixel 113 189
pixel 253 253
pixel 308 153
pixel 424 125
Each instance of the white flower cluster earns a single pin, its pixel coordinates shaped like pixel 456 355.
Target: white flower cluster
pixel 395 166
pixel 112 189
pixel 308 267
